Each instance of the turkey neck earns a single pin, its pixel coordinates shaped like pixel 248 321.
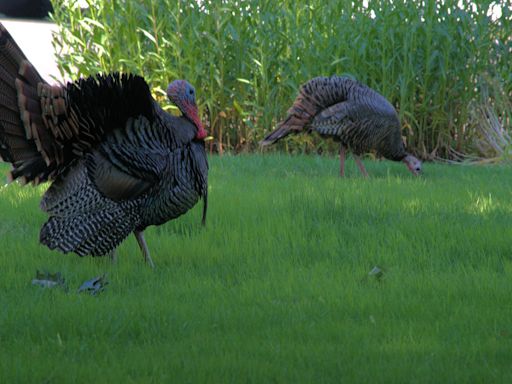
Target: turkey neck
pixel 185 180
pixel 175 131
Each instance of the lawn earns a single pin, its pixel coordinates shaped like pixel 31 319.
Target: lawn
pixel 277 288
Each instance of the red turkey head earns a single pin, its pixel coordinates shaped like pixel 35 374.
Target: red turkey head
pixel 413 164
pixel 183 95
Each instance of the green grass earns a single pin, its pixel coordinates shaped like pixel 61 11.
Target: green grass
pixel 276 287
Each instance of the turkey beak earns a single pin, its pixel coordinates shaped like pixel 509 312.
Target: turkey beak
pixel 416 171
pixel 413 165
pixel 417 168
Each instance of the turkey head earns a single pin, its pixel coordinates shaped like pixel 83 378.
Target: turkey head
pixel 183 95
pixel 413 164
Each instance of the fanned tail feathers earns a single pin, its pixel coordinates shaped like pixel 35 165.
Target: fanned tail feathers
pixel 44 128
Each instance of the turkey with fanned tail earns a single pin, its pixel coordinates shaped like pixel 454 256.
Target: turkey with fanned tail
pixel 349 112
pixel 117 161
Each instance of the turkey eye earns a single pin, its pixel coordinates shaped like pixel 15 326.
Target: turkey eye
pixel 191 92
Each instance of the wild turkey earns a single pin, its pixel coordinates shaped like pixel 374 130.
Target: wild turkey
pixel 350 112
pixel 118 163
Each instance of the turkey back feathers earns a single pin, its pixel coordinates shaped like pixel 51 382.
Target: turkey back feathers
pixel 314 96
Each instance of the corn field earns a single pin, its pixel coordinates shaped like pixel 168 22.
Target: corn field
pixel 445 65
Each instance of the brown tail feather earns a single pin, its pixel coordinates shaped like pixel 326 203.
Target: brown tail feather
pixel 7 115
pixel 12 54
pixel 29 73
pixel 29 104
pixel 298 117
pixel 23 136
pixel 8 80
pixel 8 103
pixel 26 89
pixel 11 129
pixel 275 135
pixel 59 123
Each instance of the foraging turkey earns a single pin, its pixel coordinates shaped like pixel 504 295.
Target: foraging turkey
pixel 118 163
pixel 350 112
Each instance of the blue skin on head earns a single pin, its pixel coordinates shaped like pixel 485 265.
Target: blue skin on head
pixel 183 94
pixel 181 91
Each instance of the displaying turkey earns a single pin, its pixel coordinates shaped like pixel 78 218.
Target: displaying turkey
pixel 118 163
pixel 349 112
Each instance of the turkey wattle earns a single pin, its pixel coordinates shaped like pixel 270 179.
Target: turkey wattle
pixel 350 112
pixel 117 161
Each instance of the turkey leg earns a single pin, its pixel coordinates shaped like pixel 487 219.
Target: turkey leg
pixel 360 165
pixel 139 235
pixel 113 256
pixel 342 160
